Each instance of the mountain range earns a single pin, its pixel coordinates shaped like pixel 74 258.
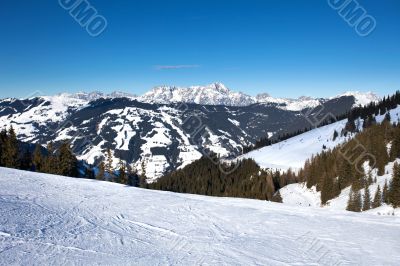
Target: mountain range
pixel 217 94
pixel 168 127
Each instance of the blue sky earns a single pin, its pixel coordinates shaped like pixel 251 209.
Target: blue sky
pixel 286 48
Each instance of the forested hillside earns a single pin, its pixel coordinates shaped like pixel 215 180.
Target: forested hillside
pixel 208 177
pixel 374 143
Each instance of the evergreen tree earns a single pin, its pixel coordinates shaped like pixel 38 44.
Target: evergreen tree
pixel 350 126
pixel 37 159
pixel 10 149
pixel 385 193
pixel 335 135
pixel 327 189
pixel 387 117
pixel 3 139
pixel 101 172
pixel 377 198
pixel 123 178
pixel 354 203
pixel 68 164
pixel 143 178
pixel 108 166
pixel 50 162
pixel 133 178
pixel 89 173
pixel 394 190
pixel 350 202
pixel 25 162
pixel 277 197
pixel 395 148
pixel 367 199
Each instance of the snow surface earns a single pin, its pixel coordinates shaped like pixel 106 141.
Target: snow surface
pixel 46 219
pixel 293 153
pixel 300 195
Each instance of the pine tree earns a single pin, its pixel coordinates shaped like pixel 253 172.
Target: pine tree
pixel 394 190
pixel 50 162
pixel 327 189
pixel 108 167
pixel 357 201
pixel 350 202
pixel 377 198
pixel 37 159
pixel 335 135
pixel 367 199
pixel 10 149
pixel 387 117
pixel 67 161
pixel 133 178
pixel 277 197
pixel 123 178
pixel 3 139
pixel 385 193
pixel 89 173
pixel 25 162
pixel 143 178
pixel 395 148
pixel 354 203
pixel 101 172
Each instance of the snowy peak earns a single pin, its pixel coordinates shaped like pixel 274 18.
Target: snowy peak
pixel 289 104
pixel 213 94
pixel 361 98
pixel 219 94
pixel 95 95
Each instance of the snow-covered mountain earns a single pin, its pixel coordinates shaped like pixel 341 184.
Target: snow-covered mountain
pixel 219 94
pixel 155 129
pixel 47 219
pixel 95 95
pixel 293 153
pixel 213 94
pixel 163 137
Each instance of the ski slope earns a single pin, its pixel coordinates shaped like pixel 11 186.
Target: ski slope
pixel 300 195
pixel 53 220
pixel 293 152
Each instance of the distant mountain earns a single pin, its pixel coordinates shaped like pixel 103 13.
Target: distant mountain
pixel 162 137
pixel 213 94
pixel 95 95
pixel 219 94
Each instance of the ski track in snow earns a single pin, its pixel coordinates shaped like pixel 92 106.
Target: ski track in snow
pixel 46 219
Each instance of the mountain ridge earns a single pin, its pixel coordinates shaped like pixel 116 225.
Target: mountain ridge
pixel 216 94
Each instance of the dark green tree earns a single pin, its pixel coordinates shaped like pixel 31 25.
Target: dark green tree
pixel 10 149
pixel 385 193
pixel 67 162
pixel 123 177
pixel 101 172
pixel 367 199
pixel 377 198
pixel 37 159
pixel 277 197
pixel 394 190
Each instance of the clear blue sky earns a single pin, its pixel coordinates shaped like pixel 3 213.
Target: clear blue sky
pixel 283 47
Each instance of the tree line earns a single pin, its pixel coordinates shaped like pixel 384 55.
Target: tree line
pixel 212 177
pixel 364 112
pixel 62 161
